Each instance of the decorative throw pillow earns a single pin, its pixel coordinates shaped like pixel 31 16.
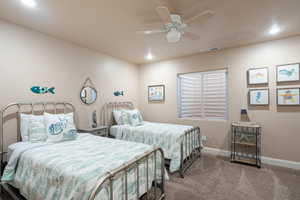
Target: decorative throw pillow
pixel 135 117
pixel 125 117
pixel 70 133
pixel 25 124
pixel 60 127
pixel 37 129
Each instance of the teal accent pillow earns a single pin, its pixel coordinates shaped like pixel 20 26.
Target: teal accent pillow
pixel 70 133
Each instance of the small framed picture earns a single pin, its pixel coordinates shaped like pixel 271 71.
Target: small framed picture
pixel 288 97
pixel 258 76
pixel 258 97
pixel 156 93
pixel 289 72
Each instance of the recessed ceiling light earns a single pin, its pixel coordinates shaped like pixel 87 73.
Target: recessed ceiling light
pixel 29 3
pixel 275 29
pixel 149 56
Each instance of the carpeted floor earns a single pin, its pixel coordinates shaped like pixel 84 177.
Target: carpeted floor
pixel 215 178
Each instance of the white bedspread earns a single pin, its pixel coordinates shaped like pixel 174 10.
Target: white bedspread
pixel 166 136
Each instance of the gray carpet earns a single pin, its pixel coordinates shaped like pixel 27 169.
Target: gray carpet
pixel 215 178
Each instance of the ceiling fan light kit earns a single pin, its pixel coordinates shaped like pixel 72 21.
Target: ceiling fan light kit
pixel 173 35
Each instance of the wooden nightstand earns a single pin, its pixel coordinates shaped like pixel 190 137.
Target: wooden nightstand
pixel 99 131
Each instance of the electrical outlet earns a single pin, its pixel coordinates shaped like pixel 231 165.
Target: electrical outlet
pixel 204 138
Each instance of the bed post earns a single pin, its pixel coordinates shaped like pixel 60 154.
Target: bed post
pixel 191 152
pixel 181 160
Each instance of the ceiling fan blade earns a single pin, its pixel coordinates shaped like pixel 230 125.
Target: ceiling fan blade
pixel 164 14
pixel 149 32
pixel 204 14
pixel 166 3
pixel 191 36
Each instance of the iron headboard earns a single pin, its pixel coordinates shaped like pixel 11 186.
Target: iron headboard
pixel 110 107
pixel 57 107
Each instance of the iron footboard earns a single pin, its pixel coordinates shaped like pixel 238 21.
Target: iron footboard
pixel 190 149
pixel 157 191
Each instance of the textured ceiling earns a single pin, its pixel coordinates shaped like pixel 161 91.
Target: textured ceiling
pixel 109 25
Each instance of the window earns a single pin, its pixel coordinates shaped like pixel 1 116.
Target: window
pixel 203 95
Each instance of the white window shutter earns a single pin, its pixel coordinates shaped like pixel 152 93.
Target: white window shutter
pixel 203 95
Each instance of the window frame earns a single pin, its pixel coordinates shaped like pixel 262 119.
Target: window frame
pixel 226 116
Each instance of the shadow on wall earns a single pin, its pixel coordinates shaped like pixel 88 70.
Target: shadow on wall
pixel 288 83
pixel 251 107
pixel 288 108
pixel 257 85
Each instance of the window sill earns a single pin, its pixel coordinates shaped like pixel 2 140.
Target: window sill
pixel 202 119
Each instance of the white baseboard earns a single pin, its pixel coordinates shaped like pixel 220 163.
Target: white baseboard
pixel 265 160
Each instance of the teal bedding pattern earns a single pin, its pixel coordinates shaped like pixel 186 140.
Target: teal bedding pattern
pixel 168 137
pixel 70 170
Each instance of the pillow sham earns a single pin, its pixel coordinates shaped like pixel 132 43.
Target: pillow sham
pixel 134 117
pixel 118 116
pixel 125 117
pixel 37 129
pixel 60 127
pixel 25 124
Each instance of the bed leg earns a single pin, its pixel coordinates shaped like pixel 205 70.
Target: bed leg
pixel 181 161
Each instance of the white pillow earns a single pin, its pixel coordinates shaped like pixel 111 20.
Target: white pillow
pixel 60 127
pixel 37 131
pixel 118 116
pixel 25 124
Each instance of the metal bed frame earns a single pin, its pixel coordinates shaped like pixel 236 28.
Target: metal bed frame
pixel 190 137
pixel 105 181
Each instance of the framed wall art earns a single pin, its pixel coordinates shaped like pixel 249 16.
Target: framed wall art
pixel 258 97
pixel 288 96
pixel 156 93
pixel 288 72
pixel 258 76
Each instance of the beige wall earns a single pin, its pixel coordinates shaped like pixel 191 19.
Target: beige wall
pixel 29 58
pixel 281 128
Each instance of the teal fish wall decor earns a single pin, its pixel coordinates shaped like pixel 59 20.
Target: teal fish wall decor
pixel 119 93
pixel 42 90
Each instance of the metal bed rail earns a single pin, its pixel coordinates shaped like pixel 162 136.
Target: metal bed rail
pixel 158 182
pixel 190 149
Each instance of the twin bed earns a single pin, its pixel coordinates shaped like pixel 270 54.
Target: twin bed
pixel 87 168
pixel 181 144
pixel 132 166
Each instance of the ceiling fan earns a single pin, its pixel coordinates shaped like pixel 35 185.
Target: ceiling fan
pixel 175 26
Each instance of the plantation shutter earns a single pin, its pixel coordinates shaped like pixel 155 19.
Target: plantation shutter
pixel 203 95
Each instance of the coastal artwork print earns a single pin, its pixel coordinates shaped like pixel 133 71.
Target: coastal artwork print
pixel 156 93
pixel 288 96
pixel 288 72
pixel 258 97
pixel 258 76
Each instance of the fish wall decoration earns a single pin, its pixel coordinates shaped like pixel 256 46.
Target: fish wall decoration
pixel 119 93
pixel 42 90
